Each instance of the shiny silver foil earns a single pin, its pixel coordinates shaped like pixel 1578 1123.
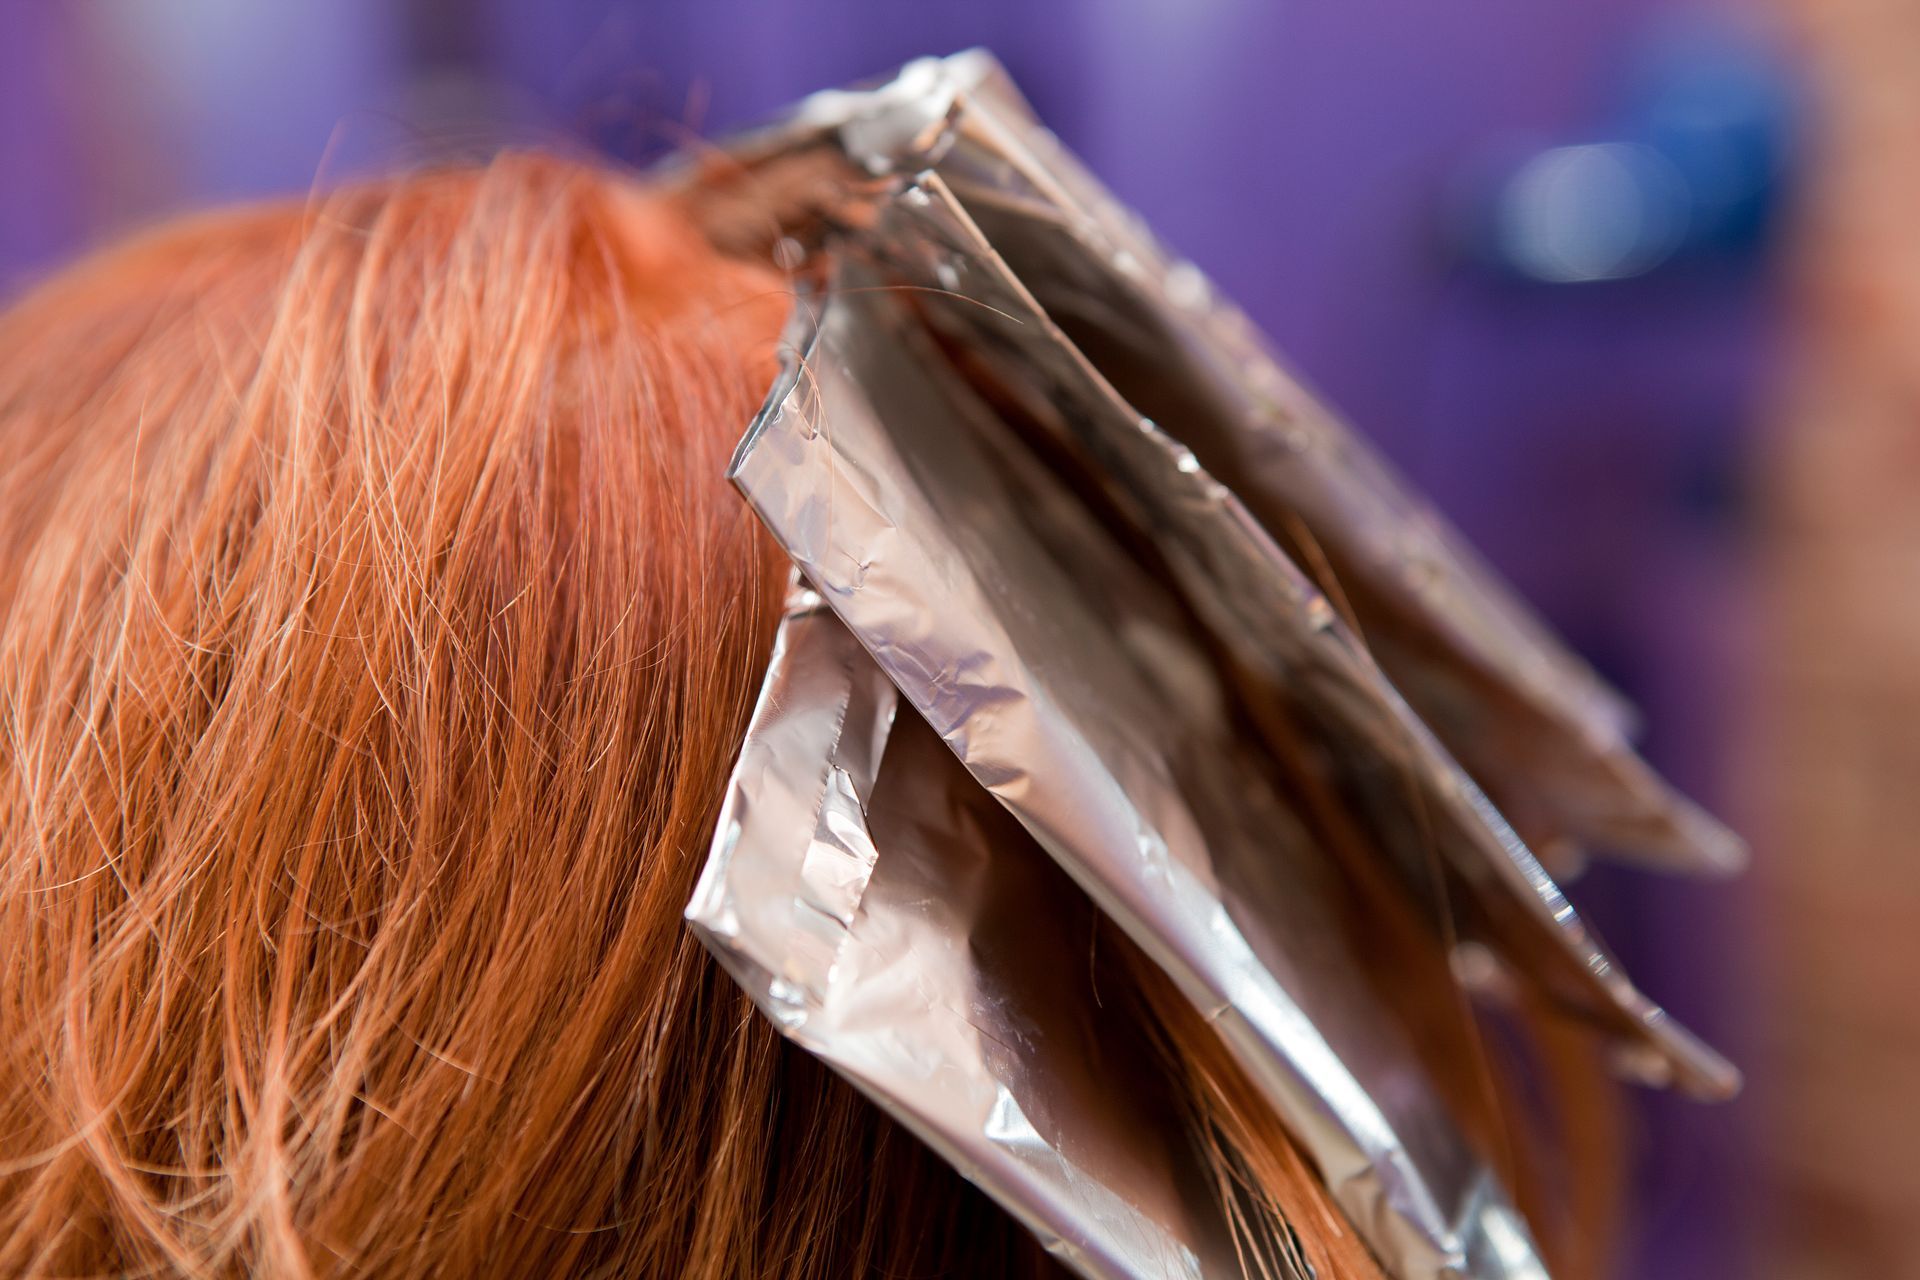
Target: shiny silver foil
pixel 1076 689
pixel 1528 719
pixel 886 914
pixel 1303 675
pixel 1099 611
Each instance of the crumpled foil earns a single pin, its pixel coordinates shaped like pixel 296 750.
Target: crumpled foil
pixel 1116 644
pixel 888 915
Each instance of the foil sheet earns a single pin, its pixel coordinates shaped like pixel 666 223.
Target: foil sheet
pixel 1303 675
pixel 1076 688
pixel 886 914
pixel 1528 719
pixel 1099 612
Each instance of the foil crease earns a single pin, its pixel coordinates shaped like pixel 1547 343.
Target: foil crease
pixel 887 915
pixel 1529 720
pixel 1076 689
pixel 1303 672
pixel 1060 494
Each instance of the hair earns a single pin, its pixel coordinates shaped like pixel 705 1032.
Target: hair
pixel 376 633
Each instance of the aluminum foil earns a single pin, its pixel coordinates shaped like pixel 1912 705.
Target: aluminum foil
pixel 1100 614
pixel 1076 688
pixel 1303 676
pixel 1529 720
pixel 886 914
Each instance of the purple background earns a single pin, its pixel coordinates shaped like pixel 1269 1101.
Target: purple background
pixel 1590 438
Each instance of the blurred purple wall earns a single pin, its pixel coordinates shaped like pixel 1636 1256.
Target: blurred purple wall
pixel 1587 437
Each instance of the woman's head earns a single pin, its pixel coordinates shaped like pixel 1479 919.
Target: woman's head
pixel 376 628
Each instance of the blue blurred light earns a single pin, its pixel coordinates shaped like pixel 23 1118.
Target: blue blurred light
pixel 1601 211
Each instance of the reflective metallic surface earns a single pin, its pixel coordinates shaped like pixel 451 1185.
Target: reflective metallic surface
pixel 1304 676
pixel 1074 688
pixel 890 917
pixel 1056 490
pixel 1531 722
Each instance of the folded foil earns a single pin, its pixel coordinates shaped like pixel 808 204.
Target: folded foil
pixel 886 914
pixel 1074 687
pixel 1055 490
pixel 1528 719
pixel 1303 676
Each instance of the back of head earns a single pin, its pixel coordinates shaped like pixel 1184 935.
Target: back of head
pixel 376 629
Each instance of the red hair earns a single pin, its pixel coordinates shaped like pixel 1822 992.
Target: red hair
pixel 375 632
